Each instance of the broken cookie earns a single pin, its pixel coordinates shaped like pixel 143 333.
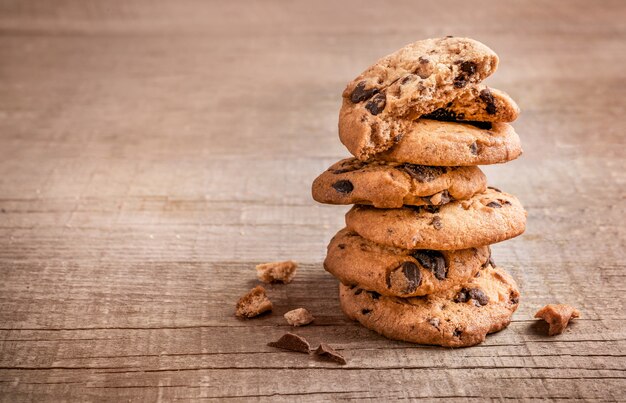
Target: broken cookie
pixel 277 272
pixel 557 316
pixel 254 303
pixel 299 317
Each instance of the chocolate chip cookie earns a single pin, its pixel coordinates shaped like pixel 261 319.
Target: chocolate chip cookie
pixel 486 218
pixel 413 81
pixel 461 316
pixel 432 142
pixel 389 185
pixel 400 272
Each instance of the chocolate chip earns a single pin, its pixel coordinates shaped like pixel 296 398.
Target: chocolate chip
pixel 377 104
pixel 480 125
pixel 467 70
pixel 514 297
pixel 360 94
pixel 436 223
pixel 494 204
pixel 327 352
pixel 423 173
pixel 366 311
pixel 457 332
pixel 373 294
pixel 479 296
pixel 474 148
pixel 292 342
pixel 462 296
pixel 433 261
pixel 413 276
pixel 496 189
pixel 475 294
pixel 341 246
pixel 343 186
pixel 487 97
pixel 445 115
pixel 358 291
pixel 423 60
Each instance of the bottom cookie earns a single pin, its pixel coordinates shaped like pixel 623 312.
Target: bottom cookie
pixel 459 317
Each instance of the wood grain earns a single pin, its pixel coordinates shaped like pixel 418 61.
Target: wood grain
pixel 151 153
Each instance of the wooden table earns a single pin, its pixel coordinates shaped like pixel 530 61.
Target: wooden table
pixel 151 153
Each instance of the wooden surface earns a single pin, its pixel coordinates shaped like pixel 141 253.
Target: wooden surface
pixel 152 153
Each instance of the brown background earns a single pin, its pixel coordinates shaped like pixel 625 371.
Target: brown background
pixel 152 153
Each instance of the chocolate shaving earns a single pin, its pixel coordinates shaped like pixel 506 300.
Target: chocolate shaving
pixel 292 342
pixel 328 353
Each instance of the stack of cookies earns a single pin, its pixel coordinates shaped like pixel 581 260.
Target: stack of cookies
pixel 414 259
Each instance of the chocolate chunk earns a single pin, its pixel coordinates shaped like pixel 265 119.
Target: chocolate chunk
pixel 343 186
pixel 467 70
pixel 457 332
pixel 444 115
pixel 373 294
pixel 377 104
pixel 433 261
pixel 327 352
pixel 436 223
pixel 412 276
pixel 474 148
pixel 480 125
pixel 514 297
pixel 423 173
pixel 486 96
pixel 462 296
pixel 360 94
pixel 292 342
pixel 479 296
pixel 358 291
pixel 366 311
pixel 494 204
pixel 475 294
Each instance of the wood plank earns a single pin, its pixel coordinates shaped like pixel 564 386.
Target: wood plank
pixel 151 153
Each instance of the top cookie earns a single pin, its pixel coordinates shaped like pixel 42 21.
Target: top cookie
pixel 413 81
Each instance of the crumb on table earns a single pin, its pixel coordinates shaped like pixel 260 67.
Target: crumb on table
pixel 557 316
pixel 277 272
pixel 254 303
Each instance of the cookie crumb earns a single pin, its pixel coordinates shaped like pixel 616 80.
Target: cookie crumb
pixel 254 303
pixel 327 352
pixel 557 316
pixel 299 317
pixel 292 342
pixel 277 272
